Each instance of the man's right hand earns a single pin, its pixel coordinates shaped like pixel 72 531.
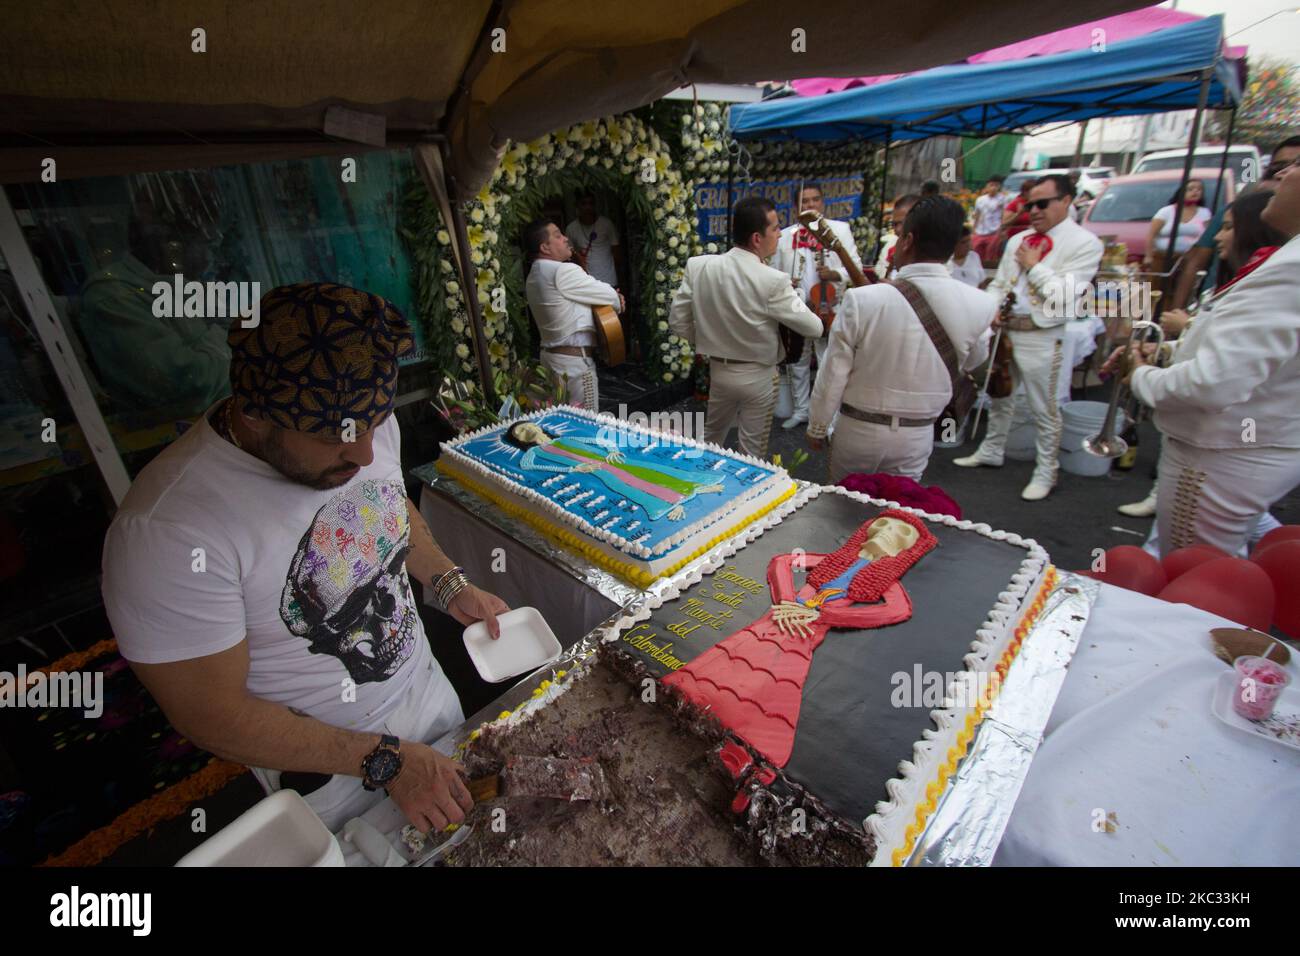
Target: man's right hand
pixel 431 788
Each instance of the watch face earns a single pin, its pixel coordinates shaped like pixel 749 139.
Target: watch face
pixel 384 765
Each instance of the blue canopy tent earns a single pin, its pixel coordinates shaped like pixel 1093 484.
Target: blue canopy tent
pixel 1182 67
pixel 1158 72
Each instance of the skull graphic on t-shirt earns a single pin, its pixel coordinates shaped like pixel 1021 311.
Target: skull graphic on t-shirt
pixel 347 590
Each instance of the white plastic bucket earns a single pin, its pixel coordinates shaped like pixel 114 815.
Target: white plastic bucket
pixel 1079 421
pixel 1023 436
pixel 784 400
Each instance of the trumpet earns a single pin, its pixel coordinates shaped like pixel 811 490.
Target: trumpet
pixel 1107 444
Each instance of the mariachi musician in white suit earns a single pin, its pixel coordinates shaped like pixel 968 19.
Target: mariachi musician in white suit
pixel 729 307
pixel 797 256
pixel 1048 267
pixel 1227 405
pixel 561 296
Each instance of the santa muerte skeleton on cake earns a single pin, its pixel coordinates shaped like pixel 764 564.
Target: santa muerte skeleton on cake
pixel 658 488
pixel 752 681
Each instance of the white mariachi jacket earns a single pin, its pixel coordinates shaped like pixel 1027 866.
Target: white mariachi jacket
pixel 788 259
pixel 1050 292
pixel 1235 378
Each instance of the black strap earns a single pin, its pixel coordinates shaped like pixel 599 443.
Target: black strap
pixel 933 328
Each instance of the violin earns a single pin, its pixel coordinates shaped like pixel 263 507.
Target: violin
pixel 822 298
pixel 999 383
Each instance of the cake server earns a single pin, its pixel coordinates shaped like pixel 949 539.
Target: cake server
pixel 457 838
pixel 557 778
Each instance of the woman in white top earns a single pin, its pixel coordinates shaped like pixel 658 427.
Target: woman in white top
pixel 1191 222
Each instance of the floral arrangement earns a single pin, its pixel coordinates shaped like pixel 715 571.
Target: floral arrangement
pixel 460 401
pixel 620 154
pixel 651 159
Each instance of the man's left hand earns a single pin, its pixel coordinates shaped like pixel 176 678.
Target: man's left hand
pixel 474 604
pixel 1027 257
pixel 1138 356
pixel 827 274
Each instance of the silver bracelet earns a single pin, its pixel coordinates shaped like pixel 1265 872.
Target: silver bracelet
pixel 448 586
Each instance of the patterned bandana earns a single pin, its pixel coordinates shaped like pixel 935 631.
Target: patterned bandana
pixel 322 353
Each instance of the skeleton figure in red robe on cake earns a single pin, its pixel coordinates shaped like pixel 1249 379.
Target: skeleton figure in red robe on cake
pixel 753 680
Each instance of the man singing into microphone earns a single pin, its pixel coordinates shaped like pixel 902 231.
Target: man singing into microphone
pixel 595 242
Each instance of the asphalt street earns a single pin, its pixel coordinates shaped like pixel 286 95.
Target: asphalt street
pixel 1076 518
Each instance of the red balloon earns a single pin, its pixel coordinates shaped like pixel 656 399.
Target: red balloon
pixel 1288 532
pixel 1128 566
pixel 1177 563
pixel 1229 587
pixel 1281 563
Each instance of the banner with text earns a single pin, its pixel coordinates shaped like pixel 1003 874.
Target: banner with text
pixel 843 198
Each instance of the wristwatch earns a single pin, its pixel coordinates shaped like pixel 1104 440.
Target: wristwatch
pixel 382 766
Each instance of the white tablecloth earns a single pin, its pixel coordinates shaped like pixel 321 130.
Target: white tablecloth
pixel 1132 734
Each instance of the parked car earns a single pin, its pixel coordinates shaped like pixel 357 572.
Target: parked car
pixel 1091 178
pixel 1127 204
pixel 1244 161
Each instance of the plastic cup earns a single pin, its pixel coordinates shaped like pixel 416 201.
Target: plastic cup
pixel 1260 683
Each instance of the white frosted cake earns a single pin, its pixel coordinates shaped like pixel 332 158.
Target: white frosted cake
pixel 639 502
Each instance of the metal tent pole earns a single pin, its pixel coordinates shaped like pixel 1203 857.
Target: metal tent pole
pixel 884 185
pixel 58 346
pixel 469 283
pixel 1194 138
pixel 1223 163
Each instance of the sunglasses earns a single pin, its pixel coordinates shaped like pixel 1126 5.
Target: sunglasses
pixel 1041 204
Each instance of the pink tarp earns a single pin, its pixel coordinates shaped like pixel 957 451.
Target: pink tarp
pixel 1125 26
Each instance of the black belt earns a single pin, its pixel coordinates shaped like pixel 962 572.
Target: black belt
pixel 876 418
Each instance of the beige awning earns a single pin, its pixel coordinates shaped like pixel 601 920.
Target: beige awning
pixel 114 86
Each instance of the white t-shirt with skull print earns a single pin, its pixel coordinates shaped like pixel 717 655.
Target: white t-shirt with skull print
pixel 212 546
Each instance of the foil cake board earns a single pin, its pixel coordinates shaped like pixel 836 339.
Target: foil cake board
pixel 972 815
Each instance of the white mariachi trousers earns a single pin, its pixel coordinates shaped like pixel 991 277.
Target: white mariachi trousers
pixel 744 393
pixel 584 388
pixel 1215 495
pixel 1036 361
pixel 869 449
pixel 800 373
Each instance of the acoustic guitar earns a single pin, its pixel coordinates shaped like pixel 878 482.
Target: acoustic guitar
pixel 610 345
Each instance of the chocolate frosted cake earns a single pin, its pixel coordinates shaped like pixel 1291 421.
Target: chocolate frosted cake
pixel 803 695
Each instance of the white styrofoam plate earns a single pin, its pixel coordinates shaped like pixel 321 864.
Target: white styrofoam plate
pixel 1282 728
pixel 526 643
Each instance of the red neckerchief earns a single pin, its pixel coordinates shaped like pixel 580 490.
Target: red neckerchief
pixel 803 239
pixel 1257 259
pixel 1039 239
pixel 870 583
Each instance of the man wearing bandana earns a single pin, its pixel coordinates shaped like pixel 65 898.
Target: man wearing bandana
pixel 257 575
